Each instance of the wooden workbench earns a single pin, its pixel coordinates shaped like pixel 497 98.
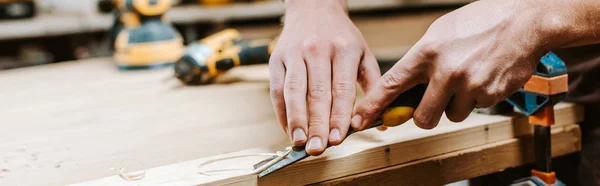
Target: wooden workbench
pixel 77 121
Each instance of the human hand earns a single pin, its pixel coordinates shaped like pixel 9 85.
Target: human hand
pixel 319 57
pixel 473 57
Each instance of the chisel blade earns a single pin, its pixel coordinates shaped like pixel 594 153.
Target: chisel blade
pixel 297 154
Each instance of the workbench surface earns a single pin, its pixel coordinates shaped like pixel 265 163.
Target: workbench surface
pixel 76 121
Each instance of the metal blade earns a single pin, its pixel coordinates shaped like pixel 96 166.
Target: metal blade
pixel 263 162
pixel 297 154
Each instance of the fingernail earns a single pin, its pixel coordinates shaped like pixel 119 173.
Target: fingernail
pixel 298 135
pixel 335 135
pixel 356 121
pixel 315 143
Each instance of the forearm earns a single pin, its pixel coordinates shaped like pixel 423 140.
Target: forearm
pixel 572 22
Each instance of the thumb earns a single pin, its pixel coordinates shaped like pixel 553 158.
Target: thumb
pixel 401 77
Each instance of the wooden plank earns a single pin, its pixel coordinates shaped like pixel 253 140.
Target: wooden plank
pixel 366 151
pixel 76 121
pixel 468 163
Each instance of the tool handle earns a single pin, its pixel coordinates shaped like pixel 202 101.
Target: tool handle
pixel 401 109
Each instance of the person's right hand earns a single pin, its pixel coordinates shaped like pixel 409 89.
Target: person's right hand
pixel 319 57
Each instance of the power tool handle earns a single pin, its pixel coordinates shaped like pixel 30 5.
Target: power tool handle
pixel 407 101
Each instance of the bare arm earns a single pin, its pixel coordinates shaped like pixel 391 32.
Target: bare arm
pixel 478 55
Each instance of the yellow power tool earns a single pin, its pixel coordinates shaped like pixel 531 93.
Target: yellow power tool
pixel 213 56
pixel 146 41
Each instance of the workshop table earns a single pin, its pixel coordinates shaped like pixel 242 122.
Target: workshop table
pixel 75 122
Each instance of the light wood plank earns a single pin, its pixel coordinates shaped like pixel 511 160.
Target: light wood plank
pixel 469 163
pixel 80 119
pixel 366 151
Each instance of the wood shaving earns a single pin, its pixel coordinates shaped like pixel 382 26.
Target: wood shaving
pixel 134 175
pixel 212 172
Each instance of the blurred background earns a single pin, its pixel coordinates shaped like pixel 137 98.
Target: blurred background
pixel 36 32
pixel 40 32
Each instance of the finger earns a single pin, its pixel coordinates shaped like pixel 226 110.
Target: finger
pixel 402 76
pixel 294 94
pixel 432 106
pixel 460 107
pixel 345 71
pixel 369 72
pixel 318 64
pixel 277 79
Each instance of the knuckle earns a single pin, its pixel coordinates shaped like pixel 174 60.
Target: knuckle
pixel 342 89
pixel 391 80
pixel 430 48
pixel 370 108
pixel 293 84
pixel 341 43
pixel 457 73
pixel 338 119
pixel 316 121
pixel 311 45
pixel 276 92
pixel 318 91
pixel 275 57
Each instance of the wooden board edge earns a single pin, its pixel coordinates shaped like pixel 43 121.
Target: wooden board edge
pixel 451 167
pixel 392 154
pixel 385 156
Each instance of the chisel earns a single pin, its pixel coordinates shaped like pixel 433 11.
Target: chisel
pixel 399 111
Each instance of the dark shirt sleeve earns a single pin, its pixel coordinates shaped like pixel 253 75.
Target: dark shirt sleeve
pixel 583 66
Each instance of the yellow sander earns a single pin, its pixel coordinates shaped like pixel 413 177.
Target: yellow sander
pixel 145 40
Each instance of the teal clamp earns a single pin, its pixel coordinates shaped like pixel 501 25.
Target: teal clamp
pixel 529 102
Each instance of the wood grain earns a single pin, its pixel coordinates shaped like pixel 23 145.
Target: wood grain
pixel 468 163
pixel 368 151
pixel 83 118
pixel 74 121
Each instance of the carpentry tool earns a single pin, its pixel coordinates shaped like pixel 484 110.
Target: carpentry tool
pixel 145 40
pixel 218 53
pixel 536 99
pixel 400 111
pixel 13 9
